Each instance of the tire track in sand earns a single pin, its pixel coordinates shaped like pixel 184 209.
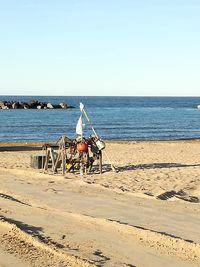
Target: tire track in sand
pixel 162 242
pixel 15 241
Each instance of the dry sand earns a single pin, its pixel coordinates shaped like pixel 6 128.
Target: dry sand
pixel 146 214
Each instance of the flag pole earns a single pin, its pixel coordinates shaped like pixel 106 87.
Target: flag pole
pixel 84 112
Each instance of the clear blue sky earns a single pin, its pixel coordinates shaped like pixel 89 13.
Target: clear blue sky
pixel 100 47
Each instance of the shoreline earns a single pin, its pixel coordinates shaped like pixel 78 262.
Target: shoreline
pixel 35 145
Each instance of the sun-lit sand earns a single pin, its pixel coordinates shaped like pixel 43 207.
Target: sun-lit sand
pixel 145 214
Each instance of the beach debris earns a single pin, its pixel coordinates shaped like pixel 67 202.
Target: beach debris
pixel 77 154
pixel 33 104
pixel 37 161
pixel 72 155
pixel 99 142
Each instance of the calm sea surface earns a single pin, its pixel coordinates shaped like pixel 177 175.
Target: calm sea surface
pixel 123 118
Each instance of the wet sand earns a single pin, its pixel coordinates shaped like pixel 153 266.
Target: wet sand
pixel 145 214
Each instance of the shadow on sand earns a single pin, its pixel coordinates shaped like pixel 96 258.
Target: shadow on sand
pixel 130 167
pixel 180 194
pixel 153 231
pixel 32 230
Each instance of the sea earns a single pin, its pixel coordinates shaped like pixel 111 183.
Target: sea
pixel 113 118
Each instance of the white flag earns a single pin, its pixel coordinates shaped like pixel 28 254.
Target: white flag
pixel 79 126
pixel 81 106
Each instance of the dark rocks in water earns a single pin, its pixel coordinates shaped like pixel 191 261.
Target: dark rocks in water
pixel 49 105
pixel 2 105
pixel 33 104
pixel 65 106
pixel 16 105
pixel 5 105
pixel 26 106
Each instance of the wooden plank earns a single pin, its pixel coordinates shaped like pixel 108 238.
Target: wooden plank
pixel 100 161
pixel 57 161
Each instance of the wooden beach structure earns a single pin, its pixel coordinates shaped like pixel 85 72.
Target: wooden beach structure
pixel 72 155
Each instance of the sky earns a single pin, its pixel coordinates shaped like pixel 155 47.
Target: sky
pixel 100 47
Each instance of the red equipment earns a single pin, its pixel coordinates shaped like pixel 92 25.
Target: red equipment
pixel 82 147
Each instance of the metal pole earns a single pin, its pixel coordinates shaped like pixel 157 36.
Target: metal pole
pixel 90 122
pixel 112 167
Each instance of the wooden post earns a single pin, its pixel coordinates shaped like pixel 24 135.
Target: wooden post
pixel 46 160
pixel 51 152
pixel 100 161
pixel 57 160
pixel 63 155
pixel 63 163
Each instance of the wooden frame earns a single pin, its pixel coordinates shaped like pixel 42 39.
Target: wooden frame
pixel 55 159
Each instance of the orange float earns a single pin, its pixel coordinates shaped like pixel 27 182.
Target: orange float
pixel 82 147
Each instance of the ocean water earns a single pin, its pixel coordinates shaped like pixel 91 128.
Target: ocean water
pixel 121 118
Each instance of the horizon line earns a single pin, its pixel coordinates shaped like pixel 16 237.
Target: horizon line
pixel 101 95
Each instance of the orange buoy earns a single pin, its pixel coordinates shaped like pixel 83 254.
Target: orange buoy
pixel 81 147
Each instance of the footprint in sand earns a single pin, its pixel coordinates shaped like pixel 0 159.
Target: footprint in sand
pixel 52 190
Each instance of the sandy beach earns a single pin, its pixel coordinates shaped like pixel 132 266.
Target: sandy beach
pixel 144 215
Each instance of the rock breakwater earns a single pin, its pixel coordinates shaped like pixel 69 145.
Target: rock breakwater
pixel 33 104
